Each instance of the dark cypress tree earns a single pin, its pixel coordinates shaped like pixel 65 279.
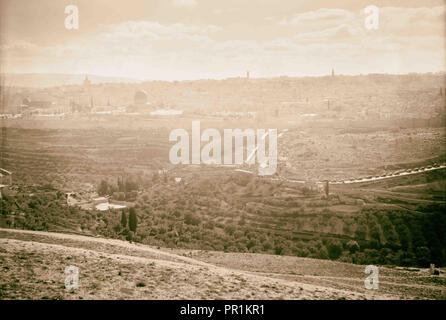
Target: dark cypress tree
pixel 133 220
pixel 120 184
pixel 123 219
pixel 103 188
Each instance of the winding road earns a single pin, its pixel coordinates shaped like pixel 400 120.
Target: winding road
pixel 368 179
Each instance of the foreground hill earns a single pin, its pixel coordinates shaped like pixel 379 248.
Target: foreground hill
pixel 33 264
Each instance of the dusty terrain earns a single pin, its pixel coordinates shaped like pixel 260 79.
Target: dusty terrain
pixel 32 266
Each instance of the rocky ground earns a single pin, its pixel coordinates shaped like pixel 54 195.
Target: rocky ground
pixel 32 266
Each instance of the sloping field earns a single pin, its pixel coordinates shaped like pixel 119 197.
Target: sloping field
pixel 32 266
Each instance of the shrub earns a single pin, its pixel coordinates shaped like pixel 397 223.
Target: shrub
pixel 191 219
pixel 278 250
pixel 323 253
pixel 334 250
pixel 352 246
pixel 423 256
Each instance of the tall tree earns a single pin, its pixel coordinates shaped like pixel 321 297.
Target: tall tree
pixel 133 220
pixel 123 219
pixel 103 188
pixel 121 187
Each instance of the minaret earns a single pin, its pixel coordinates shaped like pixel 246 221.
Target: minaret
pixel 86 81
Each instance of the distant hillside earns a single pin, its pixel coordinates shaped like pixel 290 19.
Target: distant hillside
pixel 41 80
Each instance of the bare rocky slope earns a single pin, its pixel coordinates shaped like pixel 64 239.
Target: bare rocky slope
pixel 32 266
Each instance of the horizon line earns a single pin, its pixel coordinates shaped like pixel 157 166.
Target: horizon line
pixel 136 80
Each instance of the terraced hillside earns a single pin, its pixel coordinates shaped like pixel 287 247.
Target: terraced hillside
pixel 396 221
pixel 68 158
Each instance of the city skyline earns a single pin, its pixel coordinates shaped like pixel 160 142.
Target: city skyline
pixel 193 39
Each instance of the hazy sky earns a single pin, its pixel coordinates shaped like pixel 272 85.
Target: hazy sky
pixel 192 39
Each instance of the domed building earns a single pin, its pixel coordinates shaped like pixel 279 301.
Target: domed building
pixel 140 103
pixel 26 102
pixel 140 97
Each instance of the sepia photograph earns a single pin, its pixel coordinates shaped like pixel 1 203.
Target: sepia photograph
pixel 222 150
